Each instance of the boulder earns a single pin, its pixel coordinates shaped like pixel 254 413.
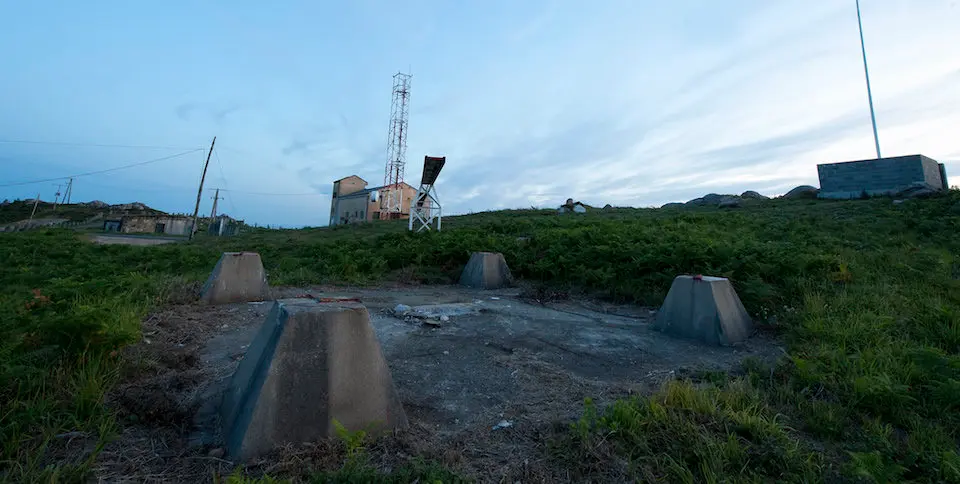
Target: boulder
pixel 311 366
pixel 237 277
pixel 729 202
pixel 918 190
pixel 486 270
pixel 801 192
pixel 708 199
pixel 706 309
pixel 753 195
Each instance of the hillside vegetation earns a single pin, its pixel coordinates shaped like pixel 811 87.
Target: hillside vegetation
pixel 865 295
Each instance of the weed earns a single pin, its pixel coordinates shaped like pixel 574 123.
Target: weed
pixel 865 295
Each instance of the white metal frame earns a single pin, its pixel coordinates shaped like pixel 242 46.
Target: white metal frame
pixel 423 216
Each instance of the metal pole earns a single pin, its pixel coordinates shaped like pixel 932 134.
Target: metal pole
pixel 863 48
pixel 203 177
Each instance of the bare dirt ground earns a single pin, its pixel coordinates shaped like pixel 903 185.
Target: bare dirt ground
pixel 510 360
pixel 128 240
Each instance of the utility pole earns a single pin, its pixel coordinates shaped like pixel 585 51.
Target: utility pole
pixel 56 197
pixel 213 213
pixel 69 193
pixel 863 48
pixel 35 203
pixel 203 177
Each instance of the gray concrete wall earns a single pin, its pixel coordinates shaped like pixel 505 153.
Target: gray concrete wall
pixel 352 209
pixel 148 224
pixel 884 176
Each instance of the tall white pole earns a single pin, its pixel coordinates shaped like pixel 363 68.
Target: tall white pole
pixel 863 48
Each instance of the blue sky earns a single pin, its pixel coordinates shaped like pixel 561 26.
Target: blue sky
pixel 624 102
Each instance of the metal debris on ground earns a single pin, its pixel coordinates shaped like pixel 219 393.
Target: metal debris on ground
pixel 502 425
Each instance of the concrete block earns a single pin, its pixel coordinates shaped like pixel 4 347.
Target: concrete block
pixel 310 364
pixel 705 309
pixel 486 270
pixel 237 277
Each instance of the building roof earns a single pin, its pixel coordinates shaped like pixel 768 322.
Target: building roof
pixel 351 176
pixel 366 191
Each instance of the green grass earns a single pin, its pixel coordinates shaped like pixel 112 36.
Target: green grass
pixel 865 294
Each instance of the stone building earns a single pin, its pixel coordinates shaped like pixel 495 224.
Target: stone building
pixel 150 224
pixel 883 176
pixel 353 202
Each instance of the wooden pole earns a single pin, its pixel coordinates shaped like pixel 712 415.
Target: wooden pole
pixel 213 212
pixel 203 177
pixel 35 203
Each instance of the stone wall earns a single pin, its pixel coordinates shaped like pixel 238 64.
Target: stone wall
pixel 884 176
pixel 148 225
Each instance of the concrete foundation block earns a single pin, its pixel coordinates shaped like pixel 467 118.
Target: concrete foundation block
pixel 706 309
pixel 311 364
pixel 486 270
pixel 237 277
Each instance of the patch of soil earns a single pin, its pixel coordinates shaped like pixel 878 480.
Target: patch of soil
pixel 528 365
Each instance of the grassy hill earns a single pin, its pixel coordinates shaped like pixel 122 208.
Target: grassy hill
pixel 865 294
pixel 20 210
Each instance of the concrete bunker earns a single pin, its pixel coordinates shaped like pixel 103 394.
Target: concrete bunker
pixel 486 270
pixel 310 364
pixel 706 309
pixel 237 277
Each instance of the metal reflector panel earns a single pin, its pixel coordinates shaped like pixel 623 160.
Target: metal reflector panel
pixel 431 168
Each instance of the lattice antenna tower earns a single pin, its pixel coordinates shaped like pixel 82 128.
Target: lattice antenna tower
pixel 392 201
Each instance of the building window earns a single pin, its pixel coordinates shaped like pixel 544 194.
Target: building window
pixel 159 228
pixel 361 214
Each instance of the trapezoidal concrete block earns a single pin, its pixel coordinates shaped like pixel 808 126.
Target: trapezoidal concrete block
pixel 237 277
pixel 706 309
pixel 310 364
pixel 486 270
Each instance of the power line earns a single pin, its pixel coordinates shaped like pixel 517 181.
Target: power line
pixel 277 194
pixel 220 165
pixel 93 145
pixel 31 182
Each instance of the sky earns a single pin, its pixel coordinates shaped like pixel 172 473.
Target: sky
pixel 631 103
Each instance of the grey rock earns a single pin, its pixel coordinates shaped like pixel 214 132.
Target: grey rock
pixel 729 202
pixel 708 199
pixel 918 190
pixel 753 195
pixel 802 191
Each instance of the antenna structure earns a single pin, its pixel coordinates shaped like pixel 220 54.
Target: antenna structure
pixel 391 204
pixel 863 49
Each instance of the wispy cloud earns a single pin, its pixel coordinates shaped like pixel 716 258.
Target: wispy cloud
pixel 628 103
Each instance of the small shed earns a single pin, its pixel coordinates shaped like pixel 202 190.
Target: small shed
pixel 224 225
pixel 572 207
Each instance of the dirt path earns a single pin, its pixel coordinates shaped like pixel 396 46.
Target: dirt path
pixel 511 361
pixel 132 240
